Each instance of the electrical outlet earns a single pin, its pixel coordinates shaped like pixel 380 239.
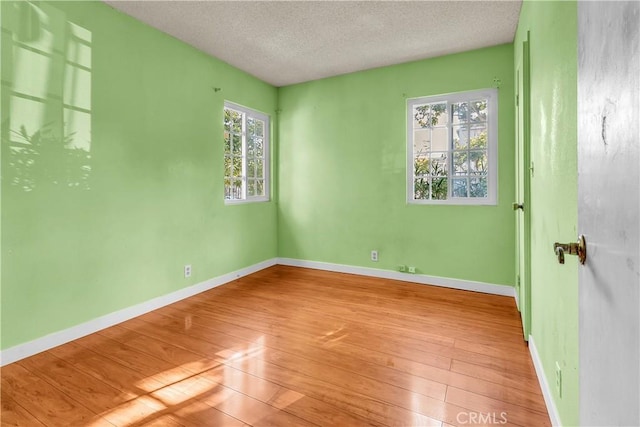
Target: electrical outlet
pixel 402 268
pixel 187 270
pixel 558 380
pixel 411 270
pixel 374 256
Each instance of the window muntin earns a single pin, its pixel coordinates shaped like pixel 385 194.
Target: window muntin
pixel 246 154
pixel 452 148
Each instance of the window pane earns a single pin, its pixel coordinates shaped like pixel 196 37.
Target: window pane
pixel 460 163
pixel 478 136
pixel 421 166
pixel 250 145
pixel 237 189
pixel 460 137
pixel 420 119
pixel 236 144
pixel 478 187
pixel 251 168
pixel 233 189
pixel 429 115
pixel 251 126
pixel 421 188
pixel 421 141
pixel 440 114
pixel 478 162
pixel 439 188
pixel 251 187
pixel 227 166
pixel 227 142
pixel 460 112
pixel 478 111
pixel 260 187
pixel 237 167
pixel 233 120
pixel 259 130
pixel 440 139
pixel 438 164
pixel 259 168
pixel 258 142
pixel 459 188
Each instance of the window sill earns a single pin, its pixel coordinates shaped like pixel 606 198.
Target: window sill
pixel 246 201
pixel 453 202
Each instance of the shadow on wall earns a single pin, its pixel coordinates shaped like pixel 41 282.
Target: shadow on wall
pixel 46 99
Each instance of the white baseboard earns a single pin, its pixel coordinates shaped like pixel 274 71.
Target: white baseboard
pixel 20 351
pixel 544 384
pixel 467 285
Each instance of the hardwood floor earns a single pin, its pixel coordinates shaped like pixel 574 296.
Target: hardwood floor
pixel 291 346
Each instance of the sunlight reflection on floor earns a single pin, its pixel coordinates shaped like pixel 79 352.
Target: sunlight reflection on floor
pixel 187 388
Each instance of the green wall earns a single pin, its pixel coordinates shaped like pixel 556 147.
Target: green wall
pixel 554 191
pixel 342 161
pixel 110 220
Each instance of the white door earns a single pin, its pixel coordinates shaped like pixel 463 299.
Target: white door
pixel 608 211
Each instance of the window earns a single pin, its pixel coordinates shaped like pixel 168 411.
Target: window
pixel 246 154
pixel 452 148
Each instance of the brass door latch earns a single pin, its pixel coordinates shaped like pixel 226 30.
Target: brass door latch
pixel 579 248
pixel 517 206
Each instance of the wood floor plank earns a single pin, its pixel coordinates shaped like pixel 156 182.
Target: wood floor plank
pixel 521 368
pixel 200 414
pixel 495 376
pixel 151 366
pixel 89 391
pixel 14 414
pixel 131 383
pixel 290 346
pixel 49 405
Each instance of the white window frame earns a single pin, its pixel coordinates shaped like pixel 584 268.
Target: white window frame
pixel 491 95
pixel 248 112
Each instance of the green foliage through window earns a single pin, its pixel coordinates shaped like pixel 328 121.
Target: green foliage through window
pixel 450 148
pixel 245 155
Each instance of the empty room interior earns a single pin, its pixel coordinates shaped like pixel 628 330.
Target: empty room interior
pixel 260 213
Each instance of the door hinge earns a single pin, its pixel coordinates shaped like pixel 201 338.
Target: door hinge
pixel 517 100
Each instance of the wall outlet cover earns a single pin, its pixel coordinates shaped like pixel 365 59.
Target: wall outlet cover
pixel 412 270
pixel 374 256
pixel 187 270
pixel 558 380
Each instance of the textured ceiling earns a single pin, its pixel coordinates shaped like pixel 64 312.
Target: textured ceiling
pixel 286 42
